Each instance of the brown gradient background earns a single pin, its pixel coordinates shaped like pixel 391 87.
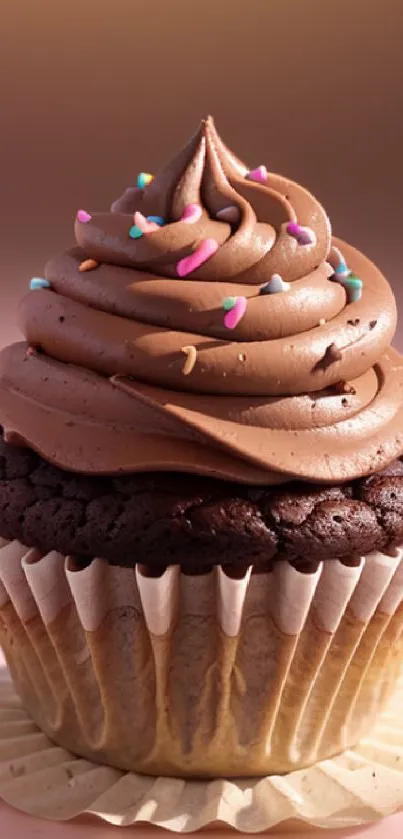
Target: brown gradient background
pixel 92 92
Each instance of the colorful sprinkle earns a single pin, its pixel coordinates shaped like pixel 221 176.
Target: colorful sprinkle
pixel 135 232
pixel 230 214
pixel 275 285
pixel 322 321
pixel 88 265
pixel 143 224
pixel 342 271
pixel 303 235
pixel 30 352
pixel 191 213
pixel 293 229
pixel 157 220
pixel 37 283
pixel 259 174
pixel 229 303
pixel 203 252
pixel 190 362
pixel 235 315
pixel 337 261
pixel 241 356
pixel 83 216
pixel 351 283
pixel 353 286
pixel 143 179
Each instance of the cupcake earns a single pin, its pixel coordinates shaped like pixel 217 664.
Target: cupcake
pixel 201 484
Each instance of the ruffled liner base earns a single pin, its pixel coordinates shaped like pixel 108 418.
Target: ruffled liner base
pixel 354 789
pixel 217 676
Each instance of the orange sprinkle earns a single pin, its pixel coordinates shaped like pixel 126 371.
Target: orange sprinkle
pixel 190 362
pixel 88 265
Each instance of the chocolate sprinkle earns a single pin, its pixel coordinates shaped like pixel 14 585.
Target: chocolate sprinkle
pixel 331 355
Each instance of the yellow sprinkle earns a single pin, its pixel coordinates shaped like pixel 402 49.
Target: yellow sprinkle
pixel 88 265
pixel 190 362
pixel 322 322
pixel 241 356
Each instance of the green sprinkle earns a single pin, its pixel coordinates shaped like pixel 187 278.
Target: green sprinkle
pixel 229 303
pixel 354 281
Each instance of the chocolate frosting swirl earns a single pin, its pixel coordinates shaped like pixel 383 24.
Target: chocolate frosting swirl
pixel 304 386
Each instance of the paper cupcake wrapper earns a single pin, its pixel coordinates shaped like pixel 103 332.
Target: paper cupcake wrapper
pixel 201 676
pixel 204 675
pixel 361 786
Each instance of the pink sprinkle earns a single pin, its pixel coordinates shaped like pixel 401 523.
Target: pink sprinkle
pixel 83 216
pixel 303 235
pixel 143 224
pixel 202 253
pixel 306 237
pixel 192 213
pixel 235 315
pixel 293 229
pixel 259 174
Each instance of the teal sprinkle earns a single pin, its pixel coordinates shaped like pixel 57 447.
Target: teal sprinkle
pixel 353 281
pixel 135 232
pixel 229 303
pixel 157 220
pixel 342 268
pixel 142 180
pixel 353 286
pixel 37 283
pixel 354 294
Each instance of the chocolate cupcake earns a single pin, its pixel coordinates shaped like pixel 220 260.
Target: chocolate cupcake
pixel 201 489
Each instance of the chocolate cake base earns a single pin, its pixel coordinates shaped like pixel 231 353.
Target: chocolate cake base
pixel 161 519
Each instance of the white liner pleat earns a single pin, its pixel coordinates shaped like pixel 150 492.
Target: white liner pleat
pixel 214 673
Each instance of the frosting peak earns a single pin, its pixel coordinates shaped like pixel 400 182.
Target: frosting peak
pixel 206 174
pixel 218 329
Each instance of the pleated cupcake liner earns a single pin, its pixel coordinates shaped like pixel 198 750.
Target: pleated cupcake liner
pixel 361 786
pixel 209 677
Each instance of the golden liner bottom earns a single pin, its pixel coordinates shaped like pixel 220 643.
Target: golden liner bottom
pixel 201 676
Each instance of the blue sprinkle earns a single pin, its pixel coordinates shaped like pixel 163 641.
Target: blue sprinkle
pixel 135 232
pixel 157 220
pixel 143 179
pixel 38 282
